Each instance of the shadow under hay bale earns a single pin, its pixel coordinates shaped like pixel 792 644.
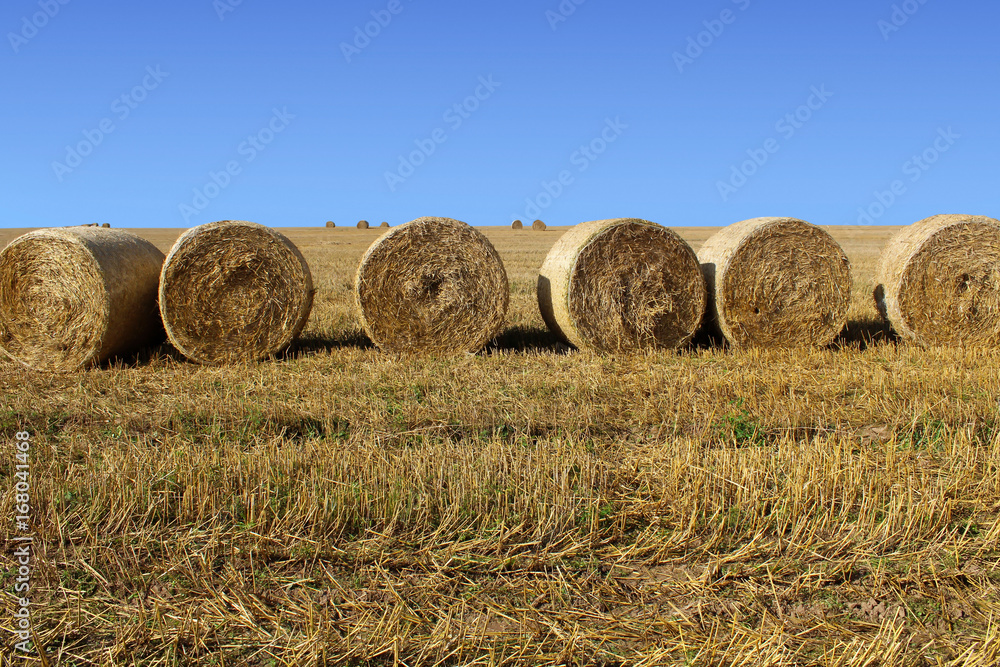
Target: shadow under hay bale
pixel 938 281
pixel 621 285
pixel 234 291
pixel 432 285
pixel 776 282
pixel 74 297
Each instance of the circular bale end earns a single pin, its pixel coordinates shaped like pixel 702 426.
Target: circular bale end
pixel 384 225
pixel 776 282
pixel 363 224
pixel 331 224
pixel 622 285
pixel 73 297
pixel 517 224
pixel 538 226
pixel 234 291
pixel 938 281
pixel 432 286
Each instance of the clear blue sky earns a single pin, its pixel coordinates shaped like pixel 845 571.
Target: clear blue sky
pixel 313 131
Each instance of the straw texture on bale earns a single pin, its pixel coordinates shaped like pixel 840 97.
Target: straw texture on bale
pixel 621 285
pixel 776 282
pixel 234 291
pixel 73 297
pixel 538 226
pixel 517 224
pixel 432 285
pixel 363 224
pixel 384 225
pixel 938 281
pixel 331 223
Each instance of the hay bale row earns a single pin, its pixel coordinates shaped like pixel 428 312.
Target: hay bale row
pixel 621 285
pixel 776 282
pixel 938 281
pixel 432 285
pixel 74 297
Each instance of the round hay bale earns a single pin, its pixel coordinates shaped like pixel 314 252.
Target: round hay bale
pixel 234 291
pixel 363 224
pixel 776 282
pixel 331 224
pixel 517 224
pixel 106 225
pixel 621 285
pixel 538 226
pixel 73 297
pixel 938 281
pixel 384 225
pixel 432 285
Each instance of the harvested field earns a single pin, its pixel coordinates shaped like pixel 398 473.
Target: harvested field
pixel 526 505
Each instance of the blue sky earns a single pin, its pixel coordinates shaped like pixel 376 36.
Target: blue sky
pixel 176 114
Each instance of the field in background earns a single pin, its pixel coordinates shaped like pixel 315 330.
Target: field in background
pixel 527 505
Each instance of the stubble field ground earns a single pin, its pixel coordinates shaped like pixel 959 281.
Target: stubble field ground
pixel 526 505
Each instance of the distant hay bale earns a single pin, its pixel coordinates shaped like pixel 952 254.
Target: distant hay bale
pixel 538 226
pixel 331 223
pixel 234 291
pixel 517 224
pixel 938 281
pixel 776 282
pixel 621 285
pixel 384 225
pixel 432 285
pixel 73 297
pixel 106 225
pixel 362 224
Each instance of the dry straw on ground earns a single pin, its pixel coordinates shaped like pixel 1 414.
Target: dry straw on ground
pixel 432 285
pixel 234 291
pixel 384 225
pixel 538 226
pixel 363 224
pixel 620 285
pixel 776 282
pixel 517 224
pixel 73 297
pixel 938 281
pixel 331 223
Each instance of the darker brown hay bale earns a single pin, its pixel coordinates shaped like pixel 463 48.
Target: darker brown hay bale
pixel 433 285
pixel 362 224
pixel 776 282
pixel 938 281
pixel 538 226
pixel 621 285
pixel 106 225
pixel 331 224
pixel 234 291
pixel 73 297
pixel 384 225
pixel 517 224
